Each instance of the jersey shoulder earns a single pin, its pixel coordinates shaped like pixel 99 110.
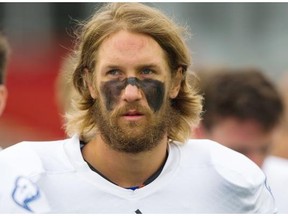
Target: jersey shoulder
pixel 242 182
pixel 32 158
pixel 230 165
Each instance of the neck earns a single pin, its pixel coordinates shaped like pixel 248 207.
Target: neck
pixel 124 169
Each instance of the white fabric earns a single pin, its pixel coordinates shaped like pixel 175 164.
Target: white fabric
pixel 276 170
pixel 200 176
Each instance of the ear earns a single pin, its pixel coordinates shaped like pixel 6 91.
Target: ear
pixel 3 98
pixel 176 83
pixel 89 83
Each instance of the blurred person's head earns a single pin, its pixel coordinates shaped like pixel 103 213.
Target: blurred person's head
pixel 136 20
pixel 242 108
pixel 4 51
pixel 280 142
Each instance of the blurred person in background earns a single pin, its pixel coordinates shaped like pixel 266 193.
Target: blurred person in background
pixel 280 146
pixel 4 52
pixel 129 150
pixel 242 110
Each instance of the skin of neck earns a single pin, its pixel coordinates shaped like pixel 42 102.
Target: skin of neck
pixel 124 169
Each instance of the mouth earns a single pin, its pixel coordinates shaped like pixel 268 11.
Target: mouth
pixel 133 115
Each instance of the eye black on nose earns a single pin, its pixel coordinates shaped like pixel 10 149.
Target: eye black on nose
pixel 133 81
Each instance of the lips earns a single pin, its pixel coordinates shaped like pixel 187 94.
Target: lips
pixel 133 113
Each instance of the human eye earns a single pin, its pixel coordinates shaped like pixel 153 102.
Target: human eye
pixel 113 72
pixel 147 71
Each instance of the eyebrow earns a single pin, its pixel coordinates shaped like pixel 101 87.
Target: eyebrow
pixel 138 67
pixel 152 65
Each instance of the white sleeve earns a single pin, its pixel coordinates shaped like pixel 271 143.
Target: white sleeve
pixel 246 181
pixel 20 170
pixel 264 200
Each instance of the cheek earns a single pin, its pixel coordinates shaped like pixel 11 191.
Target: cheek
pixel 111 91
pixel 154 91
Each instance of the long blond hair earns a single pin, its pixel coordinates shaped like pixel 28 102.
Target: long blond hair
pixel 138 18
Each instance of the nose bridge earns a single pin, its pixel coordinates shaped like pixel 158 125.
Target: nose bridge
pixel 133 81
pixel 132 90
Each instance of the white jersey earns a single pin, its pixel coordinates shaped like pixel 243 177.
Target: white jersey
pixel 276 170
pixel 200 176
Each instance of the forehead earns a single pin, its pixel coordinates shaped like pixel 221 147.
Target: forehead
pixel 129 48
pixel 124 40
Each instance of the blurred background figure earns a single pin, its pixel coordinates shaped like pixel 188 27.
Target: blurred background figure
pixel 4 52
pixel 242 110
pixel 280 142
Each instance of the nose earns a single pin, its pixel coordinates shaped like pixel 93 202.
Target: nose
pixel 131 93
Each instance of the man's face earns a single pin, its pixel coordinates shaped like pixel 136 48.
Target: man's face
pixel 132 89
pixel 3 98
pixel 244 136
